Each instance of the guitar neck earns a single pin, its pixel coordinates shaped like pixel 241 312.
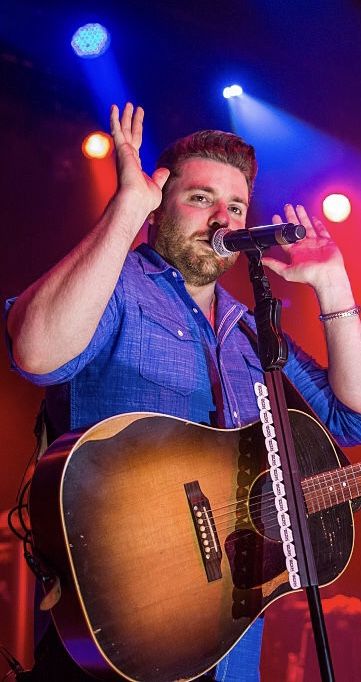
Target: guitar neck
pixel 330 488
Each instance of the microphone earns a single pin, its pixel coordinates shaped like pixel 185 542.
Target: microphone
pixel 225 242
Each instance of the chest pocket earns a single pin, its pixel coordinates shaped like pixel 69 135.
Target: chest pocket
pixel 168 353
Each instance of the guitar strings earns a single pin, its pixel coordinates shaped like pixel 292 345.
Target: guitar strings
pixel 263 517
pixel 310 494
pixel 263 533
pixel 268 507
pixel 267 510
pixel 262 507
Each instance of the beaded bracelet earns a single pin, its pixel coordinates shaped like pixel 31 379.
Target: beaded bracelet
pixel 341 313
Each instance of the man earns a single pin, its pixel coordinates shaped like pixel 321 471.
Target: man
pixel 110 332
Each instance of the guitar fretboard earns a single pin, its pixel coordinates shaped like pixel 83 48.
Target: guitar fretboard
pixel 332 487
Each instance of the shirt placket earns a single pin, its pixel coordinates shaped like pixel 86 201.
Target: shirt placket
pixel 230 408
pixel 227 323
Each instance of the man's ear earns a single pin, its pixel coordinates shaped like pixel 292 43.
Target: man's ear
pixel 151 218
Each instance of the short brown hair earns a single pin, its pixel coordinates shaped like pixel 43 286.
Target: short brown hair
pixel 215 145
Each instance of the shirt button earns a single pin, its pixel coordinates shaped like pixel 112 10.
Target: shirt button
pixel 174 274
pixel 235 414
pixel 180 333
pixel 195 310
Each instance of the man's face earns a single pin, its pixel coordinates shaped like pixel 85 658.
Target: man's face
pixel 205 196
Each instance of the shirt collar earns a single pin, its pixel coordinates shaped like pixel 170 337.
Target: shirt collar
pixel 225 302
pixel 152 262
pixel 228 308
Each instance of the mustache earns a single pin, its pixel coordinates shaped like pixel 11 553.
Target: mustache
pixel 208 234
pixel 203 236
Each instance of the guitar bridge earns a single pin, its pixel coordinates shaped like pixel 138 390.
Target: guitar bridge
pixel 205 528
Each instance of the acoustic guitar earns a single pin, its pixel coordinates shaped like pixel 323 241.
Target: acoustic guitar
pixel 165 539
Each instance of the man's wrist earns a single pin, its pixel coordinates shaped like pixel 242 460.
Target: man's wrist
pixel 335 296
pixel 125 215
pixel 131 204
pixel 332 288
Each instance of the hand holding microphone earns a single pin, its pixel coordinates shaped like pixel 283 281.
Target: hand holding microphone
pixel 315 261
pixel 225 242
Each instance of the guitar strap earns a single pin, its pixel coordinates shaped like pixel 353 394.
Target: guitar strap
pixel 296 401
pixel 41 432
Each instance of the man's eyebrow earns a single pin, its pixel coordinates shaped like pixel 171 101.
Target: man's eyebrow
pixel 210 190
pixel 239 200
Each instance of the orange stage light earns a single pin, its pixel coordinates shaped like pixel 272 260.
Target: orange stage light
pixel 97 145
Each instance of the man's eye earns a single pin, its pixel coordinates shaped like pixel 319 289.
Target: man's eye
pixel 199 198
pixel 236 209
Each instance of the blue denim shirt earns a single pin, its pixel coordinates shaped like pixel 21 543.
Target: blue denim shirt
pixel 154 350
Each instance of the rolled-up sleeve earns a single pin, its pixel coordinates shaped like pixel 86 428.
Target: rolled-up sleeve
pixel 109 321
pixel 312 381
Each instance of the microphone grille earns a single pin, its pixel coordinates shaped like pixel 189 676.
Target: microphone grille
pixel 218 244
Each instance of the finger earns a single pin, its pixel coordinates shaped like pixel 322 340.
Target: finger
pixel 290 213
pixel 126 122
pixel 160 177
pixel 276 265
pixel 320 227
pixel 115 125
pixel 137 128
pixel 303 218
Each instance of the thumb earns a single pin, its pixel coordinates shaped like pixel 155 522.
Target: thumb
pixel 160 177
pixel 273 264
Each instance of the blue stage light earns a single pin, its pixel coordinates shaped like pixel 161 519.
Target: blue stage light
pixel 90 41
pixel 232 91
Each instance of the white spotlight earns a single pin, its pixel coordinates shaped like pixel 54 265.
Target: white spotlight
pixel 232 91
pixel 336 207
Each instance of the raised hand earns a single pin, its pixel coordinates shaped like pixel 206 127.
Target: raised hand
pixel 127 132
pixel 314 260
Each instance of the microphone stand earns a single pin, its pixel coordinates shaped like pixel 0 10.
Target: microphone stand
pixel 273 353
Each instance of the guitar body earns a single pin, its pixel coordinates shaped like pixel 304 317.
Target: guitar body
pixel 112 513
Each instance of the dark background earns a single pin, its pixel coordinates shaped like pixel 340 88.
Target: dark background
pixel 299 63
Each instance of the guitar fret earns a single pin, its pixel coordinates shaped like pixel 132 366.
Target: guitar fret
pixel 313 499
pixel 311 496
pixel 355 481
pixel 342 484
pixel 325 489
pixel 332 482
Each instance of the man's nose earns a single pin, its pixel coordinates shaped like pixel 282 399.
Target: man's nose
pixel 219 216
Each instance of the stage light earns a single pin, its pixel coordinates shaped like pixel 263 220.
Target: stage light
pixel 336 207
pixel 97 145
pixel 90 41
pixel 232 91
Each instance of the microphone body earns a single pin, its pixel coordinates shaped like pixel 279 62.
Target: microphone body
pixel 225 242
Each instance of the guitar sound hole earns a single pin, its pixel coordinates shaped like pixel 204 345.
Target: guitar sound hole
pixel 262 510
pixel 256 556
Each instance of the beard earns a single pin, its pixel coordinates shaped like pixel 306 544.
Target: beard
pixel 198 264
